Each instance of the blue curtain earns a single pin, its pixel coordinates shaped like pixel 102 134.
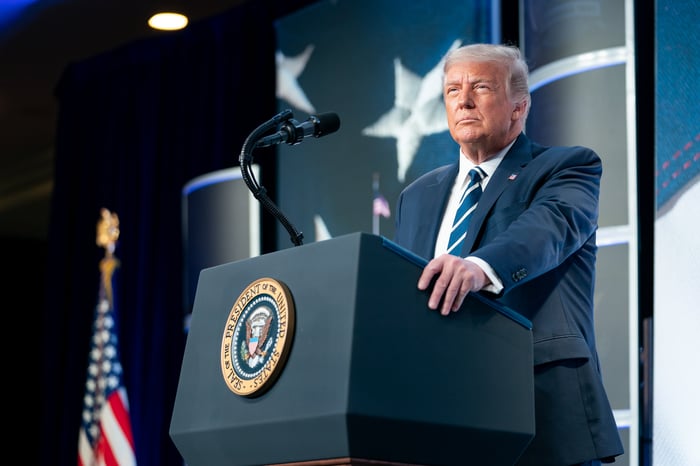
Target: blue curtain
pixel 134 126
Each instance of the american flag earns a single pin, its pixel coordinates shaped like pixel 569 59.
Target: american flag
pixel 105 434
pixel 381 206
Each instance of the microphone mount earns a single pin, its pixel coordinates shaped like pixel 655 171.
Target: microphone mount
pixel 245 159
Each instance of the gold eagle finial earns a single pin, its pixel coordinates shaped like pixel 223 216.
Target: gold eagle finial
pixel 107 231
pixel 107 235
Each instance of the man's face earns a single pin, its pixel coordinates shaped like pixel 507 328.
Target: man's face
pixel 480 113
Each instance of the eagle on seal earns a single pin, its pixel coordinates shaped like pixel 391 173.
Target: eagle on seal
pixel 257 329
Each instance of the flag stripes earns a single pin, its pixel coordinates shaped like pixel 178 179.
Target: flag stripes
pixel 105 437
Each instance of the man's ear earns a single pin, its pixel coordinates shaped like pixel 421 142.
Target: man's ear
pixel 519 110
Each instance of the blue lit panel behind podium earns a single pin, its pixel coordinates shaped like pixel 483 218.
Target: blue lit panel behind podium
pixel 220 222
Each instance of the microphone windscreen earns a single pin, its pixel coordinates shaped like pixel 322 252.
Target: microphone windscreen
pixel 327 123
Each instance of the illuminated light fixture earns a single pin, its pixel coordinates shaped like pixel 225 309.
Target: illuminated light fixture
pixel 168 21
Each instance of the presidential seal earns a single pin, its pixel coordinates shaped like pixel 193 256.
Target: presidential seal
pixel 257 337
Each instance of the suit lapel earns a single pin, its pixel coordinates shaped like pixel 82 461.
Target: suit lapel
pixel 507 172
pixel 439 190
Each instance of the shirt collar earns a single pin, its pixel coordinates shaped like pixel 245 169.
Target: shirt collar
pixel 489 166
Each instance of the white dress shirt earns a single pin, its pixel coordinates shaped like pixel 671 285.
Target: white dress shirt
pixel 465 165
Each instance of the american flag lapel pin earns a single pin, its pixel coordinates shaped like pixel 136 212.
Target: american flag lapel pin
pixel 513 176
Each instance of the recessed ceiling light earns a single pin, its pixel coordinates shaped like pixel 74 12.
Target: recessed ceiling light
pixel 168 21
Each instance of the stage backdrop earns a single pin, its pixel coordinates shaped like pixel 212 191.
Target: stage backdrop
pixel 581 61
pixel 381 72
pixel 377 64
pixel 676 406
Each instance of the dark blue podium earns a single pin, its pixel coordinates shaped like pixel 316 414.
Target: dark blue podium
pixel 372 375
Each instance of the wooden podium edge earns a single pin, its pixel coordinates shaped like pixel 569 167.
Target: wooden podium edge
pixel 344 462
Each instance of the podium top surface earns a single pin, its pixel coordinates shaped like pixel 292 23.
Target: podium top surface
pixel 422 262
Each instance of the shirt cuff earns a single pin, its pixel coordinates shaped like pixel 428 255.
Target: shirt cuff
pixel 496 285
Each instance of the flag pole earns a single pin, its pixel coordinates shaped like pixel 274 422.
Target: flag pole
pixel 105 435
pixel 375 193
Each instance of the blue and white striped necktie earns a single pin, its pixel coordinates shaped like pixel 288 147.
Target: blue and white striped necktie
pixel 467 204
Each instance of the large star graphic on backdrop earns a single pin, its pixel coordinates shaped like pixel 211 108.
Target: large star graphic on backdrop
pixel 321 229
pixel 418 111
pixel 288 70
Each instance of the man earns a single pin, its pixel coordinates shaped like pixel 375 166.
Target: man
pixel 530 244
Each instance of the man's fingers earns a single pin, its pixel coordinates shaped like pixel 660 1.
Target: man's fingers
pixel 433 268
pixel 454 296
pixel 439 289
pixel 446 290
pixel 455 278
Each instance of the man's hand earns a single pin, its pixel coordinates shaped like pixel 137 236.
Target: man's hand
pixel 455 278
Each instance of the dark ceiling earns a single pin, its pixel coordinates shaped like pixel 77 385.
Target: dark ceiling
pixel 38 39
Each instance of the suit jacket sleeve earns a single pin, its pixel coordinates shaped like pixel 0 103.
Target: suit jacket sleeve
pixel 543 217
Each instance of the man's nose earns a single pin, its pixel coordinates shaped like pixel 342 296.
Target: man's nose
pixel 465 99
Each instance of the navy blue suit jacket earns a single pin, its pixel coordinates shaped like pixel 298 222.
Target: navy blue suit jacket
pixel 535 224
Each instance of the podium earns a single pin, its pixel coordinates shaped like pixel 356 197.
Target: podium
pixel 371 375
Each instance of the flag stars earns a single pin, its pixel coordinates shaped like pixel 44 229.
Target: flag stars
pixel 110 351
pixel 113 381
pixel 103 306
pixel 94 430
pixel 105 437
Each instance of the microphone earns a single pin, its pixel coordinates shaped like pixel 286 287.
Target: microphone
pixel 292 132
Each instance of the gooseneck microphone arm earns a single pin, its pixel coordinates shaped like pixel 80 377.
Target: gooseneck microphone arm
pixel 259 192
